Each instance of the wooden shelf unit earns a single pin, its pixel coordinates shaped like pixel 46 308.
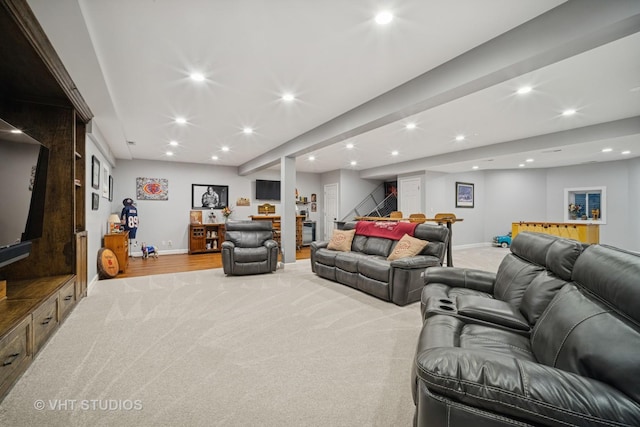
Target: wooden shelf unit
pixel 119 244
pixel 39 95
pixel 277 227
pixel 205 238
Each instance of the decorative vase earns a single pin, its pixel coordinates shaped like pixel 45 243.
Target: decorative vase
pixel 573 215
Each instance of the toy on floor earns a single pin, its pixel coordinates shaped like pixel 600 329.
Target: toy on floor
pixel 148 250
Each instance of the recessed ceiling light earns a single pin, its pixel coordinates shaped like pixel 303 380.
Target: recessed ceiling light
pixel 384 17
pixel 181 120
pixel 353 163
pixel 521 165
pixel 524 89
pixel 626 152
pixel 198 77
pixel 394 153
pixel 225 148
pixel 247 131
pixel 288 97
pixel 475 167
pixel 16 131
pixel 460 138
pixel 568 112
pixel 529 160
pixel 349 146
pixel 311 158
pixel 169 153
pixel 411 126
pixel 214 157
pixel 607 150
pixel 173 143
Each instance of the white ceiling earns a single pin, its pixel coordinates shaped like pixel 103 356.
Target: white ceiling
pixel 131 60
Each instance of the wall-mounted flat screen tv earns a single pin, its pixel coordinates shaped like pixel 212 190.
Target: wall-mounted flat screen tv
pixel 267 190
pixel 23 180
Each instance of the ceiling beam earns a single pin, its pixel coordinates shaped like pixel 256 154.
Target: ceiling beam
pixel 565 31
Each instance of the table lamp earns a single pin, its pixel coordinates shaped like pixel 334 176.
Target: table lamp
pixel 114 223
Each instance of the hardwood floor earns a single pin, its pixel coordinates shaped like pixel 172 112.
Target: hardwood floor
pixel 182 262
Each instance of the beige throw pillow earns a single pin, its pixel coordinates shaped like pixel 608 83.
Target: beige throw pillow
pixel 407 246
pixel 341 240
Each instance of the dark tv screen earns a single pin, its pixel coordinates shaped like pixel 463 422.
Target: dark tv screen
pixel 267 190
pixel 23 179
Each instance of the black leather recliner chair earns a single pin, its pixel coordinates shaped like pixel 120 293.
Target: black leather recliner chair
pixel 249 248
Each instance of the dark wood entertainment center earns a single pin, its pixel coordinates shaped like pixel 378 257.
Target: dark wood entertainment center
pixel 38 96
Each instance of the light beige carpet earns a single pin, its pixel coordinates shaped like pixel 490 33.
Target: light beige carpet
pixel 202 349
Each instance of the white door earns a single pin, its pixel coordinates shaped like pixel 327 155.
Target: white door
pixel 410 195
pixel 330 209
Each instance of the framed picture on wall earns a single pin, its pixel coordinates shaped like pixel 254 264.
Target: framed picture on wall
pixel 95 201
pixel 95 172
pixel 464 195
pixel 208 196
pixel 110 188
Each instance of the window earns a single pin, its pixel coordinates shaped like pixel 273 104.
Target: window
pixel 587 203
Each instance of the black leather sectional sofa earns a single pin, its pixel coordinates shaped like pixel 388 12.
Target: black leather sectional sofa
pixel 365 266
pixel 551 339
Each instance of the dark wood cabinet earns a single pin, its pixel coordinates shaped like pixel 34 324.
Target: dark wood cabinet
pixel 205 238
pixel 38 95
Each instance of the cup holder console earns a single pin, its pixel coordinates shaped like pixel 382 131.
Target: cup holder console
pixel 446 304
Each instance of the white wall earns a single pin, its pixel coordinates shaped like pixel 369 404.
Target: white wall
pixel 512 196
pixel 619 178
pixel 164 221
pixel 96 221
pixel 506 196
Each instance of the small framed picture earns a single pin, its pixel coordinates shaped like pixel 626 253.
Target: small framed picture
pixel 95 201
pixel 464 195
pixel 95 172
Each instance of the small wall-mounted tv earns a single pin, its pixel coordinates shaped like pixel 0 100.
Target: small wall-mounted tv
pixel 267 190
pixel 23 180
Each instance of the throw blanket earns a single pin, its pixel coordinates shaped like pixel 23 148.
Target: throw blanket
pixel 387 229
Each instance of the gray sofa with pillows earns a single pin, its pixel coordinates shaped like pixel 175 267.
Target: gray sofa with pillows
pixel 364 262
pixel 551 339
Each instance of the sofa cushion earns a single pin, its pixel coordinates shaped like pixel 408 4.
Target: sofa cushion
pixel 341 240
pixel 257 254
pixel 538 295
pixel 325 256
pixel 407 247
pixel 562 256
pixel 348 261
pixel 377 246
pixel 513 277
pixel 375 268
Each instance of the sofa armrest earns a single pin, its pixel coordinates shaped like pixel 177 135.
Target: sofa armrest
pixel 462 278
pixel 523 389
pixel 313 248
pixel 270 244
pixel 226 250
pixel 319 245
pixel 418 261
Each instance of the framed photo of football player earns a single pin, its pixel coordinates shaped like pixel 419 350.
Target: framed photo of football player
pixel 204 196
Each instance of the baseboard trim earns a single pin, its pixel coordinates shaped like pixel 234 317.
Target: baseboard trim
pixel 472 245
